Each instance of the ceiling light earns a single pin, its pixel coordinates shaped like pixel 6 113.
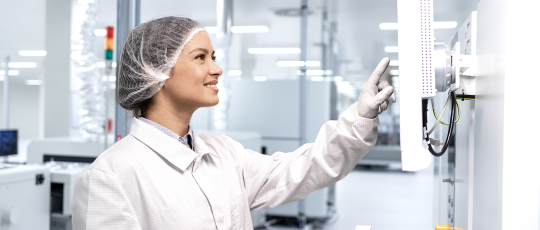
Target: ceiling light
pixel 102 64
pixel 259 78
pixel 394 63
pixel 234 72
pixel 388 26
pixel 33 53
pixel 338 78
pixel 22 65
pixel 250 29
pixel 315 72
pixel 317 78
pixel 297 63
pixel 100 32
pixel 112 78
pixel 391 49
pixel 274 50
pixel 436 25
pixel 239 29
pixel 394 72
pixel 32 82
pixel 11 72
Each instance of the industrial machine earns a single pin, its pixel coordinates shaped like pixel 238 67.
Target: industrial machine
pixel 426 68
pixel 429 69
pixel 24 197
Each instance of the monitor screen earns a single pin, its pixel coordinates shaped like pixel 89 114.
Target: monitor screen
pixel 8 142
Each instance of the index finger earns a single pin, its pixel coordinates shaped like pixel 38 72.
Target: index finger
pixel 376 75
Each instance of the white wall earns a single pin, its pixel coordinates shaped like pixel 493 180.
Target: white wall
pixel 506 172
pixel 24 108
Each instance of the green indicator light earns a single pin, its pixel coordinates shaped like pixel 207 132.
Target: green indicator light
pixel 108 54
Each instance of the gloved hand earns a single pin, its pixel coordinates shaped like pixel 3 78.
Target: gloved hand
pixel 375 95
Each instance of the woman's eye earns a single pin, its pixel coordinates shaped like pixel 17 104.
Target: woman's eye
pixel 200 57
pixel 213 58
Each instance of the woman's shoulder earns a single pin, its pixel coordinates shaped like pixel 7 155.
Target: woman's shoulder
pixel 127 151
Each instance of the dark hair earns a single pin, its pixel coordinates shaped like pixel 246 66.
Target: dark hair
pixel 141 108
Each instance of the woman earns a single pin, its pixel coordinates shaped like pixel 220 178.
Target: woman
pixel 163 175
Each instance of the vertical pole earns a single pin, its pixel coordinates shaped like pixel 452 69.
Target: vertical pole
pixel 302 129
pixel 324 44
pixel 128 16
pixel 5 95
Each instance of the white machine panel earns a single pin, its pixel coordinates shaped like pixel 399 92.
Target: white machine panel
pixel 24 197
pixel 415 40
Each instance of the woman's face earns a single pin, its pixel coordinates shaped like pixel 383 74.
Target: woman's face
pixel 193 79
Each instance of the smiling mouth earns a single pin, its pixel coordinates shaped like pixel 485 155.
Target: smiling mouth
pixel 211 86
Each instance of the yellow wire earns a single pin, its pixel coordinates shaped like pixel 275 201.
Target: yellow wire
pixel 457 119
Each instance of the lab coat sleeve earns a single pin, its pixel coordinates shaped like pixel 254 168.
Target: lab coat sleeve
pixel 286 177
pixel 99 202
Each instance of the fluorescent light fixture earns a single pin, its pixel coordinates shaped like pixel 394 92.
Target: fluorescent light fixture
pixel 259 78
pixel 297 63
pixel 239 29
pixel 394 72
pixel 338 78
pixel 274 50
pixel 22 65
pixel 102 64
pixel 315 72
pixel 436 25
pixel 235 72
pixel 100 32
pixel 32 82
pixel 112 78
pixel 250 29
pixel 394 63
pixel 388 26
pixel 391 49
pixel 11 72
pixel 33 53
pixel 317 78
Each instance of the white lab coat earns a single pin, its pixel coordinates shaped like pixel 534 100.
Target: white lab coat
pixel 151 181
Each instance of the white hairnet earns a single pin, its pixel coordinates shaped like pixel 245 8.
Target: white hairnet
pixel 148 55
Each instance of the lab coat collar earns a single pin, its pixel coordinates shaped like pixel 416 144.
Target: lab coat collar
pixel 169 148
pixel 200 147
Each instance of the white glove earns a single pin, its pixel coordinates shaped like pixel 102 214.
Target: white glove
pixel 375 96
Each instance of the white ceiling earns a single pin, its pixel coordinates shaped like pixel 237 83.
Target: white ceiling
pixel 361 41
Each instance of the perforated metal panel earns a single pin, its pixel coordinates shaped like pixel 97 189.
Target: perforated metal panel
pixel 427 45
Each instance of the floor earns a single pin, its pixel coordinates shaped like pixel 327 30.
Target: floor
pixel 384 200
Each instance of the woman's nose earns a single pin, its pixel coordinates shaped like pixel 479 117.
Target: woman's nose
pixel 215 70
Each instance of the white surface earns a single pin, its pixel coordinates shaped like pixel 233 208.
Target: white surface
pixel 20 194
pixel 521 174
pixel 413 155
pixel 55 94
pixel 62 146
pixel 506 174
pixel 359 227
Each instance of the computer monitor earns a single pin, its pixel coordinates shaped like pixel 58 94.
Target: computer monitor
pixel 8 142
